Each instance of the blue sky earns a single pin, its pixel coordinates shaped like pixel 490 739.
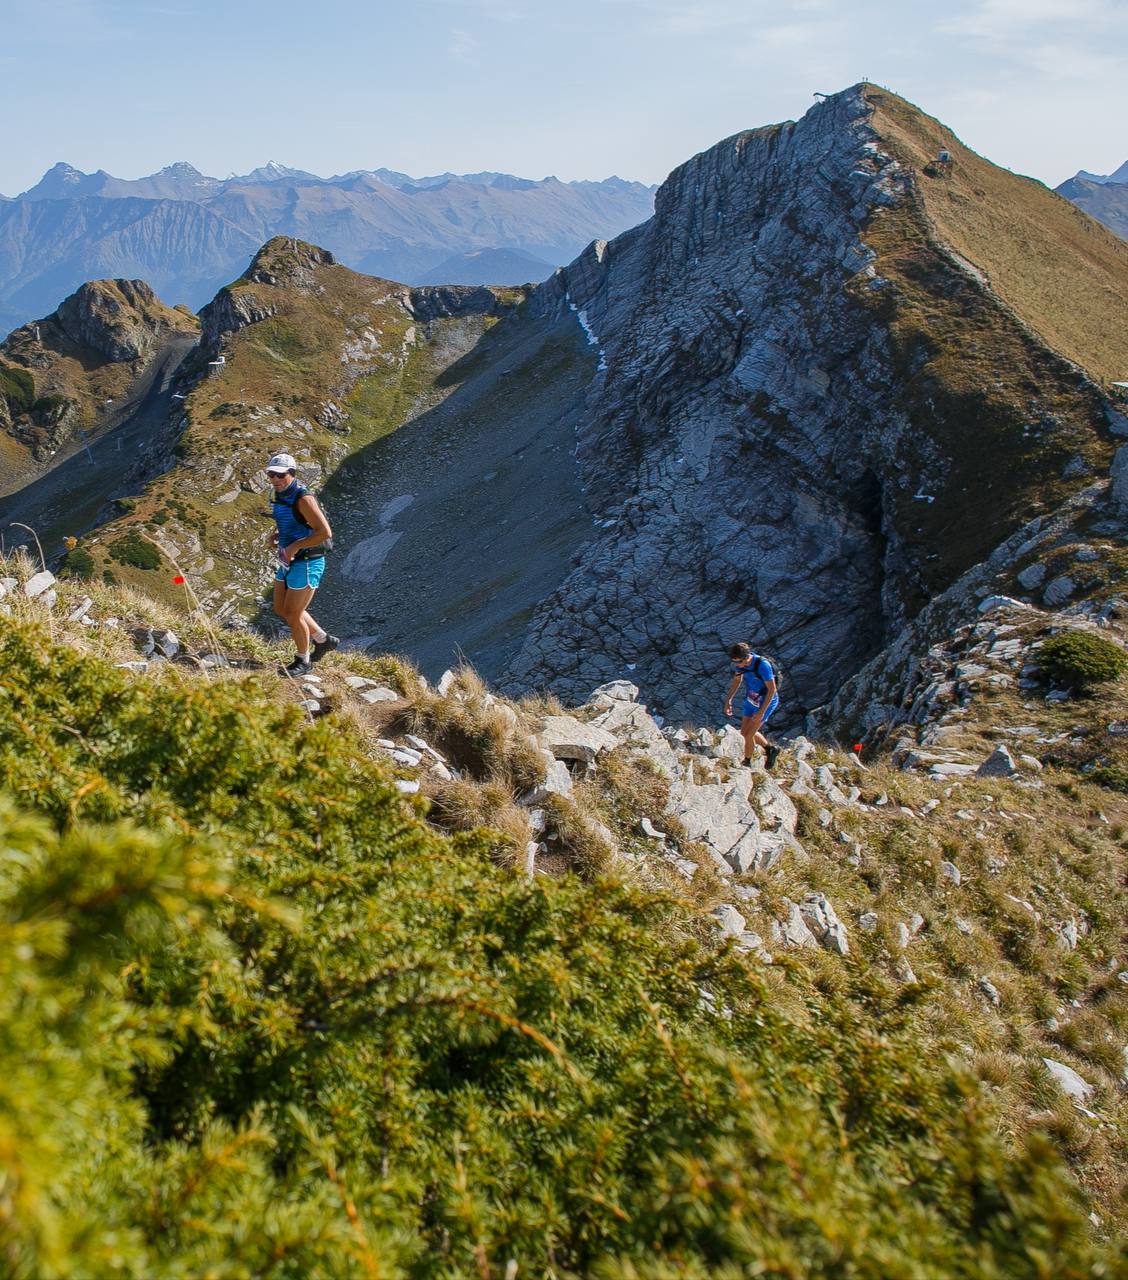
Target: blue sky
pixel 573 87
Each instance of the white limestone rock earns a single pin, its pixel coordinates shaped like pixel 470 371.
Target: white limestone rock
pixel 731 923
pixel 558 782
pixel 571 739
pixel 38 583
pixel 379 694
pixel 1068 1081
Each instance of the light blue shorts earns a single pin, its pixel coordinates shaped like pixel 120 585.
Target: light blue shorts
pixel 750 710
pixel 301 574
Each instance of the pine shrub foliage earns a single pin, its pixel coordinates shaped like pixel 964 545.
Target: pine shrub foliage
pixel 260 1020
pixel 1082 658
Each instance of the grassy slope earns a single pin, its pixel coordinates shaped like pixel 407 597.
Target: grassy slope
pixel 997 414
pixel 1063 273
pixel 279 374
pixel 61 367
pixel 469 1086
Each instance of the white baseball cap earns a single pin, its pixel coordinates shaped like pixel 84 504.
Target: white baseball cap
pixel 281 462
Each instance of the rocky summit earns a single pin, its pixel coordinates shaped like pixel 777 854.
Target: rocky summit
pixel 833 375
pixel 81 370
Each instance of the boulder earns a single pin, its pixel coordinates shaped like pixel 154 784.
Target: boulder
pixel 38 583
pixel 558 782
pixel 728 744
pixel 1068 1081
pixel 379 694
pixel 616 691
pixel 632 726
pixel 731 923
pixel 1058 590
pixel 795 932
pixel 570 739
pixel 649 830
pixel 990 991
pixel 903 971
pixel 824 923
pixel 950 871
pixel 167 643
pixel 1032 576
pixel 999 764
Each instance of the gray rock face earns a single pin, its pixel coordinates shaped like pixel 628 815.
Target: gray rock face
pixel 749 473
pixel 708 365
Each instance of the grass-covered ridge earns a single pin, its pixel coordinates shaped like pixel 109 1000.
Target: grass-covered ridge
pixel 262 1019
pixel 299 355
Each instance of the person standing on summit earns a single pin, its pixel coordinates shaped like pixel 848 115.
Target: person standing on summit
pixel 302 536
pixel 761 700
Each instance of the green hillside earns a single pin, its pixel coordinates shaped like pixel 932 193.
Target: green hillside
pixel 261 1018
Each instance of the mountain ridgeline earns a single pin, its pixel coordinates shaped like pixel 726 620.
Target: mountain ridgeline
pixel 830 376
pixel 187 234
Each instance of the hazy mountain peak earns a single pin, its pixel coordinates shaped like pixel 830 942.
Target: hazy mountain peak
pixel 1118 175
pixel 272 171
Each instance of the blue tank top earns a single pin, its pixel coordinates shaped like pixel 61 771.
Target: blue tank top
pixel 755 676
pixel 290 528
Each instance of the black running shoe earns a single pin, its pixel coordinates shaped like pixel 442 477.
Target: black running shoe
pixel 322 647
pixel 299 667
pixel 773 755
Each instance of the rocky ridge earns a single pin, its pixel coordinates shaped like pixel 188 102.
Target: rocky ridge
pixel 796 375
pixel 293 355
pixel 66 372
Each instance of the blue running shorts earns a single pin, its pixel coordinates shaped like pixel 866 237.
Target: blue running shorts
pixel 301 574
pixel 750 710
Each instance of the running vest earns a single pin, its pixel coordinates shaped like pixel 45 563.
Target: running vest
pixel 755 678
pixel 291 526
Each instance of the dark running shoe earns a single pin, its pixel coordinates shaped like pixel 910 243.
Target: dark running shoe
pixel 322 647
pixel 773 755
pixel 299 667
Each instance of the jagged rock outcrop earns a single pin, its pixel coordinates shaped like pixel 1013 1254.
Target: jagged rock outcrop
pixel 65 372
pixel 783 442
pixel 121 319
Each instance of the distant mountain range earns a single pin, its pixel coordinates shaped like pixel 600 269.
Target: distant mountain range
pixel 1103 196
pixel 188 234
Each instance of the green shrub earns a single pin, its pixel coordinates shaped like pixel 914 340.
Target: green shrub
pixel 77 563
pixel 256 1018
pixel 1082 658
pixel 1112 776
pixel 49 407
pixel 133 550
pixel 17 386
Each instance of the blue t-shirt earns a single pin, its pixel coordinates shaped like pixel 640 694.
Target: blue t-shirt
pixel 756 677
